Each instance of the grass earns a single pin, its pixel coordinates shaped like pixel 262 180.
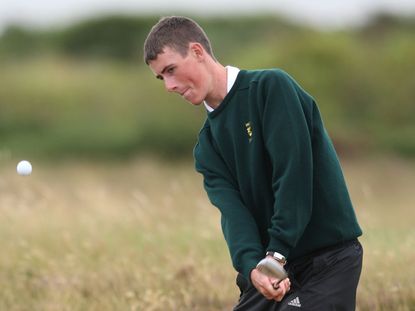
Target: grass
pixel 142 235
pixel 383 193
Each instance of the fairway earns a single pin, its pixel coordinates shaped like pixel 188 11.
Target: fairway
pixel 142 235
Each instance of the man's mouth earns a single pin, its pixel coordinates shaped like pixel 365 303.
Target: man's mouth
pixel 183 94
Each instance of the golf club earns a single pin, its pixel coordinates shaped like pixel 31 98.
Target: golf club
pixel 272 268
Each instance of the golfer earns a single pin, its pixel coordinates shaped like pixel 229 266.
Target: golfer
pixel 271 169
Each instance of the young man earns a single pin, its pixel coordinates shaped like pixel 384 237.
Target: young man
pixel 271 169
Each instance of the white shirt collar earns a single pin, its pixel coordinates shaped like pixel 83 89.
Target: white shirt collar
pixel 232 74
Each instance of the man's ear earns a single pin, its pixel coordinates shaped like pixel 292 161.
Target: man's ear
pixel 197 50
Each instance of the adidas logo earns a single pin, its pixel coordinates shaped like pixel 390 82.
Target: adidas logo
pixel 295 302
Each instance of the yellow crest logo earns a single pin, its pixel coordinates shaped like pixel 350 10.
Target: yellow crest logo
pixel 248 127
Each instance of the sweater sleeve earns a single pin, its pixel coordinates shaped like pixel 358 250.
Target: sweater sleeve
pixel 287 128
pixel 238 226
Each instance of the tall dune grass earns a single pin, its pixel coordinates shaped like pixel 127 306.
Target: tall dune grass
pixel 141 235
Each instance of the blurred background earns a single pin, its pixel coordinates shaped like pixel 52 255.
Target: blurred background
pixel 112 150
pixel 74 84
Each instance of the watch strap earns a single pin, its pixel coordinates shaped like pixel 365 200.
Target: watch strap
pixel 277 256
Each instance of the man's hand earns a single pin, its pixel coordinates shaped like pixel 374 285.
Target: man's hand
pixel 265 285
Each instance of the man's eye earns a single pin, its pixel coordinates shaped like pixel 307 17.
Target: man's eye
pixel 170 70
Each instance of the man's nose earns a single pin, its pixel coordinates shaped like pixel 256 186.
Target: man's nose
pixel 170 85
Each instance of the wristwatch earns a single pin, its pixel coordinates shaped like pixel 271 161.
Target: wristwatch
pixel 278 257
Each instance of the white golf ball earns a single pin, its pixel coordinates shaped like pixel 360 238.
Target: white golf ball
pixel 24 168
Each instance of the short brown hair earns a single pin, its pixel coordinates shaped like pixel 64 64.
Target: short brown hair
pixel 175 32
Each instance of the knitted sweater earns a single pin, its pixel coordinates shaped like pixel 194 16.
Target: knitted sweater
pixel 271 169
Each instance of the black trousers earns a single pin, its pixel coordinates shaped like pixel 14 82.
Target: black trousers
pixel 324 280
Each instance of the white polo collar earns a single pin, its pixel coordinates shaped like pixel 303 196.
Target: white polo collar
pixel 232 74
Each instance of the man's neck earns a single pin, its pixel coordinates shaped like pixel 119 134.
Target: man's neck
pixel 217 91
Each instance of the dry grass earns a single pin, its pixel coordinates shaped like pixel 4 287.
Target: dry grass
pixel 383 192
pixel 142 236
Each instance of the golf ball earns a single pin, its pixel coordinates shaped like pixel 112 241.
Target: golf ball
pixel 24 168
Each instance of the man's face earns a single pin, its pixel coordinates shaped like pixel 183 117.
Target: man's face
pixel 182 75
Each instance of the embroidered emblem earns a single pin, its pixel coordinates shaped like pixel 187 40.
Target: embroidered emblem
pixel 248 126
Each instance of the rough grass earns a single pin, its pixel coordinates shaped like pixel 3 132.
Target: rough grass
pixel 142 236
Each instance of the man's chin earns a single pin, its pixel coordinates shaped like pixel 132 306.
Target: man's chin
pixel 194 102
pixel 192 99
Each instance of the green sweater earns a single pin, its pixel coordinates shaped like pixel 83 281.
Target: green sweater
pixel 271 169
